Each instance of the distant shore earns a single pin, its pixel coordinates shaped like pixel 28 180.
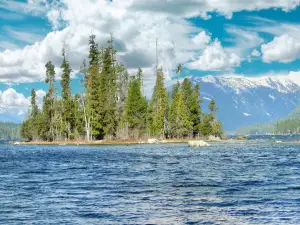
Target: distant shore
pixel 107 142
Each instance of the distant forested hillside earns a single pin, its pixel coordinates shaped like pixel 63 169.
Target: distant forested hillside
pixel 287 124
pixel 9 131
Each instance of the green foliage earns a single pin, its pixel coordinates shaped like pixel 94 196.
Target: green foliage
pixel 67 102
pixel 9 131
pixel 136 108
pixel 26 130
pixel 94 52
pixel 286 124
pixel 211 125
pixel 157 111
pixel 192 102
pixel 195 112
pixel 179 123
pixel 290 126
pixel 49 103
pixel 33 103
pixel 93 97
pixel 212 106
pixel 206 126
pixel 114 106
pixel 107 92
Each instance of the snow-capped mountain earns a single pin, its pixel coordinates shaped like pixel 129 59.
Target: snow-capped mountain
pixel 244 101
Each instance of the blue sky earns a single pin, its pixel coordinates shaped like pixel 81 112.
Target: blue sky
pixel 253 38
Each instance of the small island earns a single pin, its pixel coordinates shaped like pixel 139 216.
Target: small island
pixel 114 109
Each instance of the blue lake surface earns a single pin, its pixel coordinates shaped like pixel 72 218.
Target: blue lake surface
pixel 257 182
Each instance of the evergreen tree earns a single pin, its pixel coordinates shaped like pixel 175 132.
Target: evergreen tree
pixel 195 110
pixel 33 104
pixel 179 70
pixel 26 130
pixel 158 108
pixel 136 108
pixel 175 90
pixel 215 123
pixel 68 107
pixel 212 107
pixel 179 123
pixel 210 125
pixel 92 86
pixel 140 77
pixel 206 125
pixel 49 104
pixel 192 102
pixel 33 120
pixel 122 92
pixel 93 100
pixel 108 93
pixel 10 131
pixel 94 52
pixel 114 107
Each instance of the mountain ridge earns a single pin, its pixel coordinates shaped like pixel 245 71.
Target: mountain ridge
pixel 244 101
pixel 269 127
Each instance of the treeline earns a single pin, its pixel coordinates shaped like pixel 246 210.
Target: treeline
pixel 114 105
pixel 290 126
pixel 9 131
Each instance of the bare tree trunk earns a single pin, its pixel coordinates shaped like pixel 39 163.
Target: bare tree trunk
pixel 87 120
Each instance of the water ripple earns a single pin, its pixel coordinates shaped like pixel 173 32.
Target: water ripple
pixel 228 183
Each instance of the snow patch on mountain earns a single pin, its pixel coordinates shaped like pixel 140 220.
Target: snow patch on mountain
pixel 244 101
pixel 282 83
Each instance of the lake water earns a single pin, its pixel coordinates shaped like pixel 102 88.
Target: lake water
pixel 257 182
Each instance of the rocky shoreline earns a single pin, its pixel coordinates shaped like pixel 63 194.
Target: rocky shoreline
pixel 113 142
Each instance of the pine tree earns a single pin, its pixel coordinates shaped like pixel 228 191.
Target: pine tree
pixel 49 104
pixel 195 112
pixel 113 107
pixel 108 93
pixel 206 125
pixel 211 125
pixel 26 130
pixel 93 100
pixel 68 107
pixel 29 129
pixel 158 108
pixel 212 107
pixel 94 52
pixel 93 95
pixel 140 77
pixel 136 107
pixel 179 123
pixel 192 102
pixel 216 126
pixel 33 104
pixel 122 92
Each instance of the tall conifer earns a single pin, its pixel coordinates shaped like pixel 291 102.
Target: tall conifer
pixel 49 103
pixel 158 108
pixel 68 107
pixel 136 107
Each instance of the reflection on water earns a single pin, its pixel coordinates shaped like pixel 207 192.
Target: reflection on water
pixel 257 182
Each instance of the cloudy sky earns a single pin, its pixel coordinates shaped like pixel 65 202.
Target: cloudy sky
pixel 209 37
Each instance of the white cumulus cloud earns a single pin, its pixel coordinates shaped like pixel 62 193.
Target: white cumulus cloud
pixel 283 49
pixel 16 104
pixel 135 25
pixel 215 58
pixel 255 53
